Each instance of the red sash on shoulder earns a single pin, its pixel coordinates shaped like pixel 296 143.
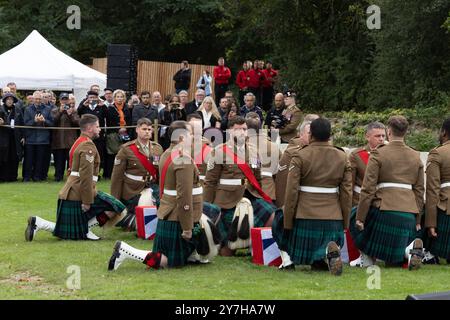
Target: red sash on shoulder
pixel 79 141
pixel 169 160
pixel 247 172
pixel 364 155
pixel 202 155
pixel 144 161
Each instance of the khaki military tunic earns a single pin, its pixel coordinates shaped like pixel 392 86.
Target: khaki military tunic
pixel 438 173
pixel 294 116
pixel 220 167
pixel 128 169
pixel 202 167
pixel 358 171
pixel 182 177
pixel 80 185
pixel 269 154
pixel 393 163
pixel 281 177
pixel 321 165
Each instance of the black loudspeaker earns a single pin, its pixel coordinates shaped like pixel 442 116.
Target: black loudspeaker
pixel 430 296
pixel 122 67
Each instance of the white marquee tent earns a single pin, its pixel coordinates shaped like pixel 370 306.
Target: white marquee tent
pixel 37 64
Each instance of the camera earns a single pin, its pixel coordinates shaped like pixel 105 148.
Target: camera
pixel 124 137
pixel 66 107
pixel 280 121
pixel 175 106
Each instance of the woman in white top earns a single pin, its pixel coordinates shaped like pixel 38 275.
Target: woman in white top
pixel 209 113
pixel 205 82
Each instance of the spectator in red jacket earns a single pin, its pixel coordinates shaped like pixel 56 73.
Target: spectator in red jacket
pixel 242 80
pixel 268 84
pixel 222 77
pixel 256 79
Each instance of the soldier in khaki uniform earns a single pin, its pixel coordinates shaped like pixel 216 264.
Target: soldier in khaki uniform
pixel 268 151
pixel 391 198
pixel 317 206
pixel 226 184
pixel 437 208
pixel 180 209
pixel 293 115
pixel 80 205
pixel 375 135
pixel 295 144
pixel 130 175
pixel 201 153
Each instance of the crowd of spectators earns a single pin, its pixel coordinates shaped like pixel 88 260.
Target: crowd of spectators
pixel 37 147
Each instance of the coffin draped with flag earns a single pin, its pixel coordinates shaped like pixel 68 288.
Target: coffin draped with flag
pixel 264 248
pixel 146 221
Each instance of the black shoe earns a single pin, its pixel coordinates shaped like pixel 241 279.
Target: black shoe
pixel 290 267
pixel 31 227
pixel 114 256
pixel 320 265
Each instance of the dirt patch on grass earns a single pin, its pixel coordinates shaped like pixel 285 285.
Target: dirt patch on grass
pixel 33 283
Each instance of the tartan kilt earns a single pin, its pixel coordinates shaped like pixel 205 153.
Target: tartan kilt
pixel 212 211
pixel 386 234
pixel 71 221
pixel 262 211
pixel 104 202
pixel 440 246
pixel 309 238
pixel 168 241
pixel 279 234
pixel 128 223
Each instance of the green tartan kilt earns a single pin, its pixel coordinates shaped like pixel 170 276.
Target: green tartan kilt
pixel 168 241
pixel 262 211
pixel 212 211
pixel 308 239
pixel 279 234
pixel 72 222
pixel 386 234
pixel 440 246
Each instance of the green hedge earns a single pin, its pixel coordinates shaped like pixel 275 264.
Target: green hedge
pixel 349 126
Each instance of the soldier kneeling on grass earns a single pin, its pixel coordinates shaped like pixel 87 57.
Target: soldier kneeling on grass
pixel 317 206
pixel 80 205
pixel 182 231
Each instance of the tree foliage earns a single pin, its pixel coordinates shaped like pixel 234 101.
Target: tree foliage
pixel 322 47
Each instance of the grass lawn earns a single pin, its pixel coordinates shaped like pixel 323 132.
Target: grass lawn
pixel 38 270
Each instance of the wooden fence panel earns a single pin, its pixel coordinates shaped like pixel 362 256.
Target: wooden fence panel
pixel 157 76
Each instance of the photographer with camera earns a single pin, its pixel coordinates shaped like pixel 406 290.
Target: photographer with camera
pixel 172 112
pixel 275 118
pixel 65 115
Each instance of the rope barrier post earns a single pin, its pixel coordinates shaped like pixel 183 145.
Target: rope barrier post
pixel 155 131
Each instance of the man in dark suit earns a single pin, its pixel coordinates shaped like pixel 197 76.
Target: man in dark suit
pixel 192 106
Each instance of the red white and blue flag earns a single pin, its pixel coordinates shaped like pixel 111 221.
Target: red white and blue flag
pixel 264 248
pixel 146 220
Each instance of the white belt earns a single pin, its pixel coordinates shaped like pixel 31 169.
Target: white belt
pixel 445 185
pixel 135 178
pixel 195 192
pixel 202 177
pixel 318 189
pixel 231 182
pixel 357 189
pixel 394 185
pixel 266 174
pixel 77 174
